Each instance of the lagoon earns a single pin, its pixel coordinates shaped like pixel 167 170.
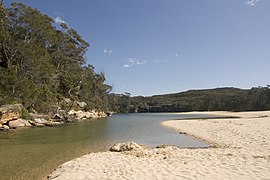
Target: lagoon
pixel 33 153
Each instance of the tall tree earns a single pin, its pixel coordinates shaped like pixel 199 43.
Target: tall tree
pixel 40 64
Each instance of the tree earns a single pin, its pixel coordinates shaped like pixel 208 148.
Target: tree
pixel 41 64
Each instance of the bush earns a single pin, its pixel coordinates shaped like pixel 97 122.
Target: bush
pixel 25 114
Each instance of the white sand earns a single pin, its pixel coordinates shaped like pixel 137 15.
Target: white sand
pixel 242 152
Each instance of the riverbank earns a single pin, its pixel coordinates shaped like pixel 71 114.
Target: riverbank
pixel 240 150
pixel 13 116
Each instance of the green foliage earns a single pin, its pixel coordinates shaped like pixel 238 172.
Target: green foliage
pixel 41 63
pixel 25 115
pixel 220 99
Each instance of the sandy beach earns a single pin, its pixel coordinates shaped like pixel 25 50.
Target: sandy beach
pixel 240 149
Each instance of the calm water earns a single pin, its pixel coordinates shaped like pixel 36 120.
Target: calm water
pixel 33 153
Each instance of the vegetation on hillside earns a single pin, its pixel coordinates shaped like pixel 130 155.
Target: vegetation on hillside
pixel 42 63
pixel 225 99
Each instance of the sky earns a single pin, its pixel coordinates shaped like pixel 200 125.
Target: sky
pixel 149 47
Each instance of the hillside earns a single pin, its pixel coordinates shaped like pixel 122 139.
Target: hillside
pixel 43 65
pixel 224 99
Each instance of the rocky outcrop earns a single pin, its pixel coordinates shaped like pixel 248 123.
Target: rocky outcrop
pixel 19 123
pixel 129 146
pixel 10 112
pixel 41 117
pixel 41 120
pixel 81 114
pixel 77 110
pixel 87 114
pixel 11 116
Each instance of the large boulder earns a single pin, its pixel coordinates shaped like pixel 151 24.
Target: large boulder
pixel 10 112
pixel 129 146
pixel 19 123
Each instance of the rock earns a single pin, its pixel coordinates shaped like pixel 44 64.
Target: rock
pixel 129 146
pixel 6 127
pixel 162 146
pixel 10 112
pixel 37 124
pixel 109 113
pixel 40 116
pixel 99 114
pixel 19 123
pixel 40 120
pixel 87 114
pixel 102 114
pixel 61 115
pixel 81 114
pixel 57 116
pixel 52 123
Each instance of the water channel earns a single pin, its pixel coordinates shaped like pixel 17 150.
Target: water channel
pixel 34 152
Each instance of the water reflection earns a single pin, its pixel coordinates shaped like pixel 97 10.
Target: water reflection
pixel 33 153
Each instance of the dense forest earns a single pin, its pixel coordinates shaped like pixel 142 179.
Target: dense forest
pixel 43 66
pixel 224 99
pixel 43 63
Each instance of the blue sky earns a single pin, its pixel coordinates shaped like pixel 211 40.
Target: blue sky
pixel 149 47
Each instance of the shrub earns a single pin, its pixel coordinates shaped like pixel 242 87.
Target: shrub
pixel 25 114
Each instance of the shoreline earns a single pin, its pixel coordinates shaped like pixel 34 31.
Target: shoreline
pixel 239 149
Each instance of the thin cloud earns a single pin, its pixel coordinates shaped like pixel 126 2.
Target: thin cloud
pixel 177 54
pixel 59 20
pixel 252 2
pixel 160 61
pixel 107 51
pixel 133 61
pixel 127 65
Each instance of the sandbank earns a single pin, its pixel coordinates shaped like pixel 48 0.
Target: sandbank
pixel 240 149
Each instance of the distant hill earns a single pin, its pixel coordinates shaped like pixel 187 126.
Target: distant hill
pixel 222 99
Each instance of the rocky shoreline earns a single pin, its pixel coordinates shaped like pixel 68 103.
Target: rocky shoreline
pixel 13 116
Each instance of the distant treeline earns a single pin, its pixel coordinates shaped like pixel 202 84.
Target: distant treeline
pixel 220 99
pixel 43 63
